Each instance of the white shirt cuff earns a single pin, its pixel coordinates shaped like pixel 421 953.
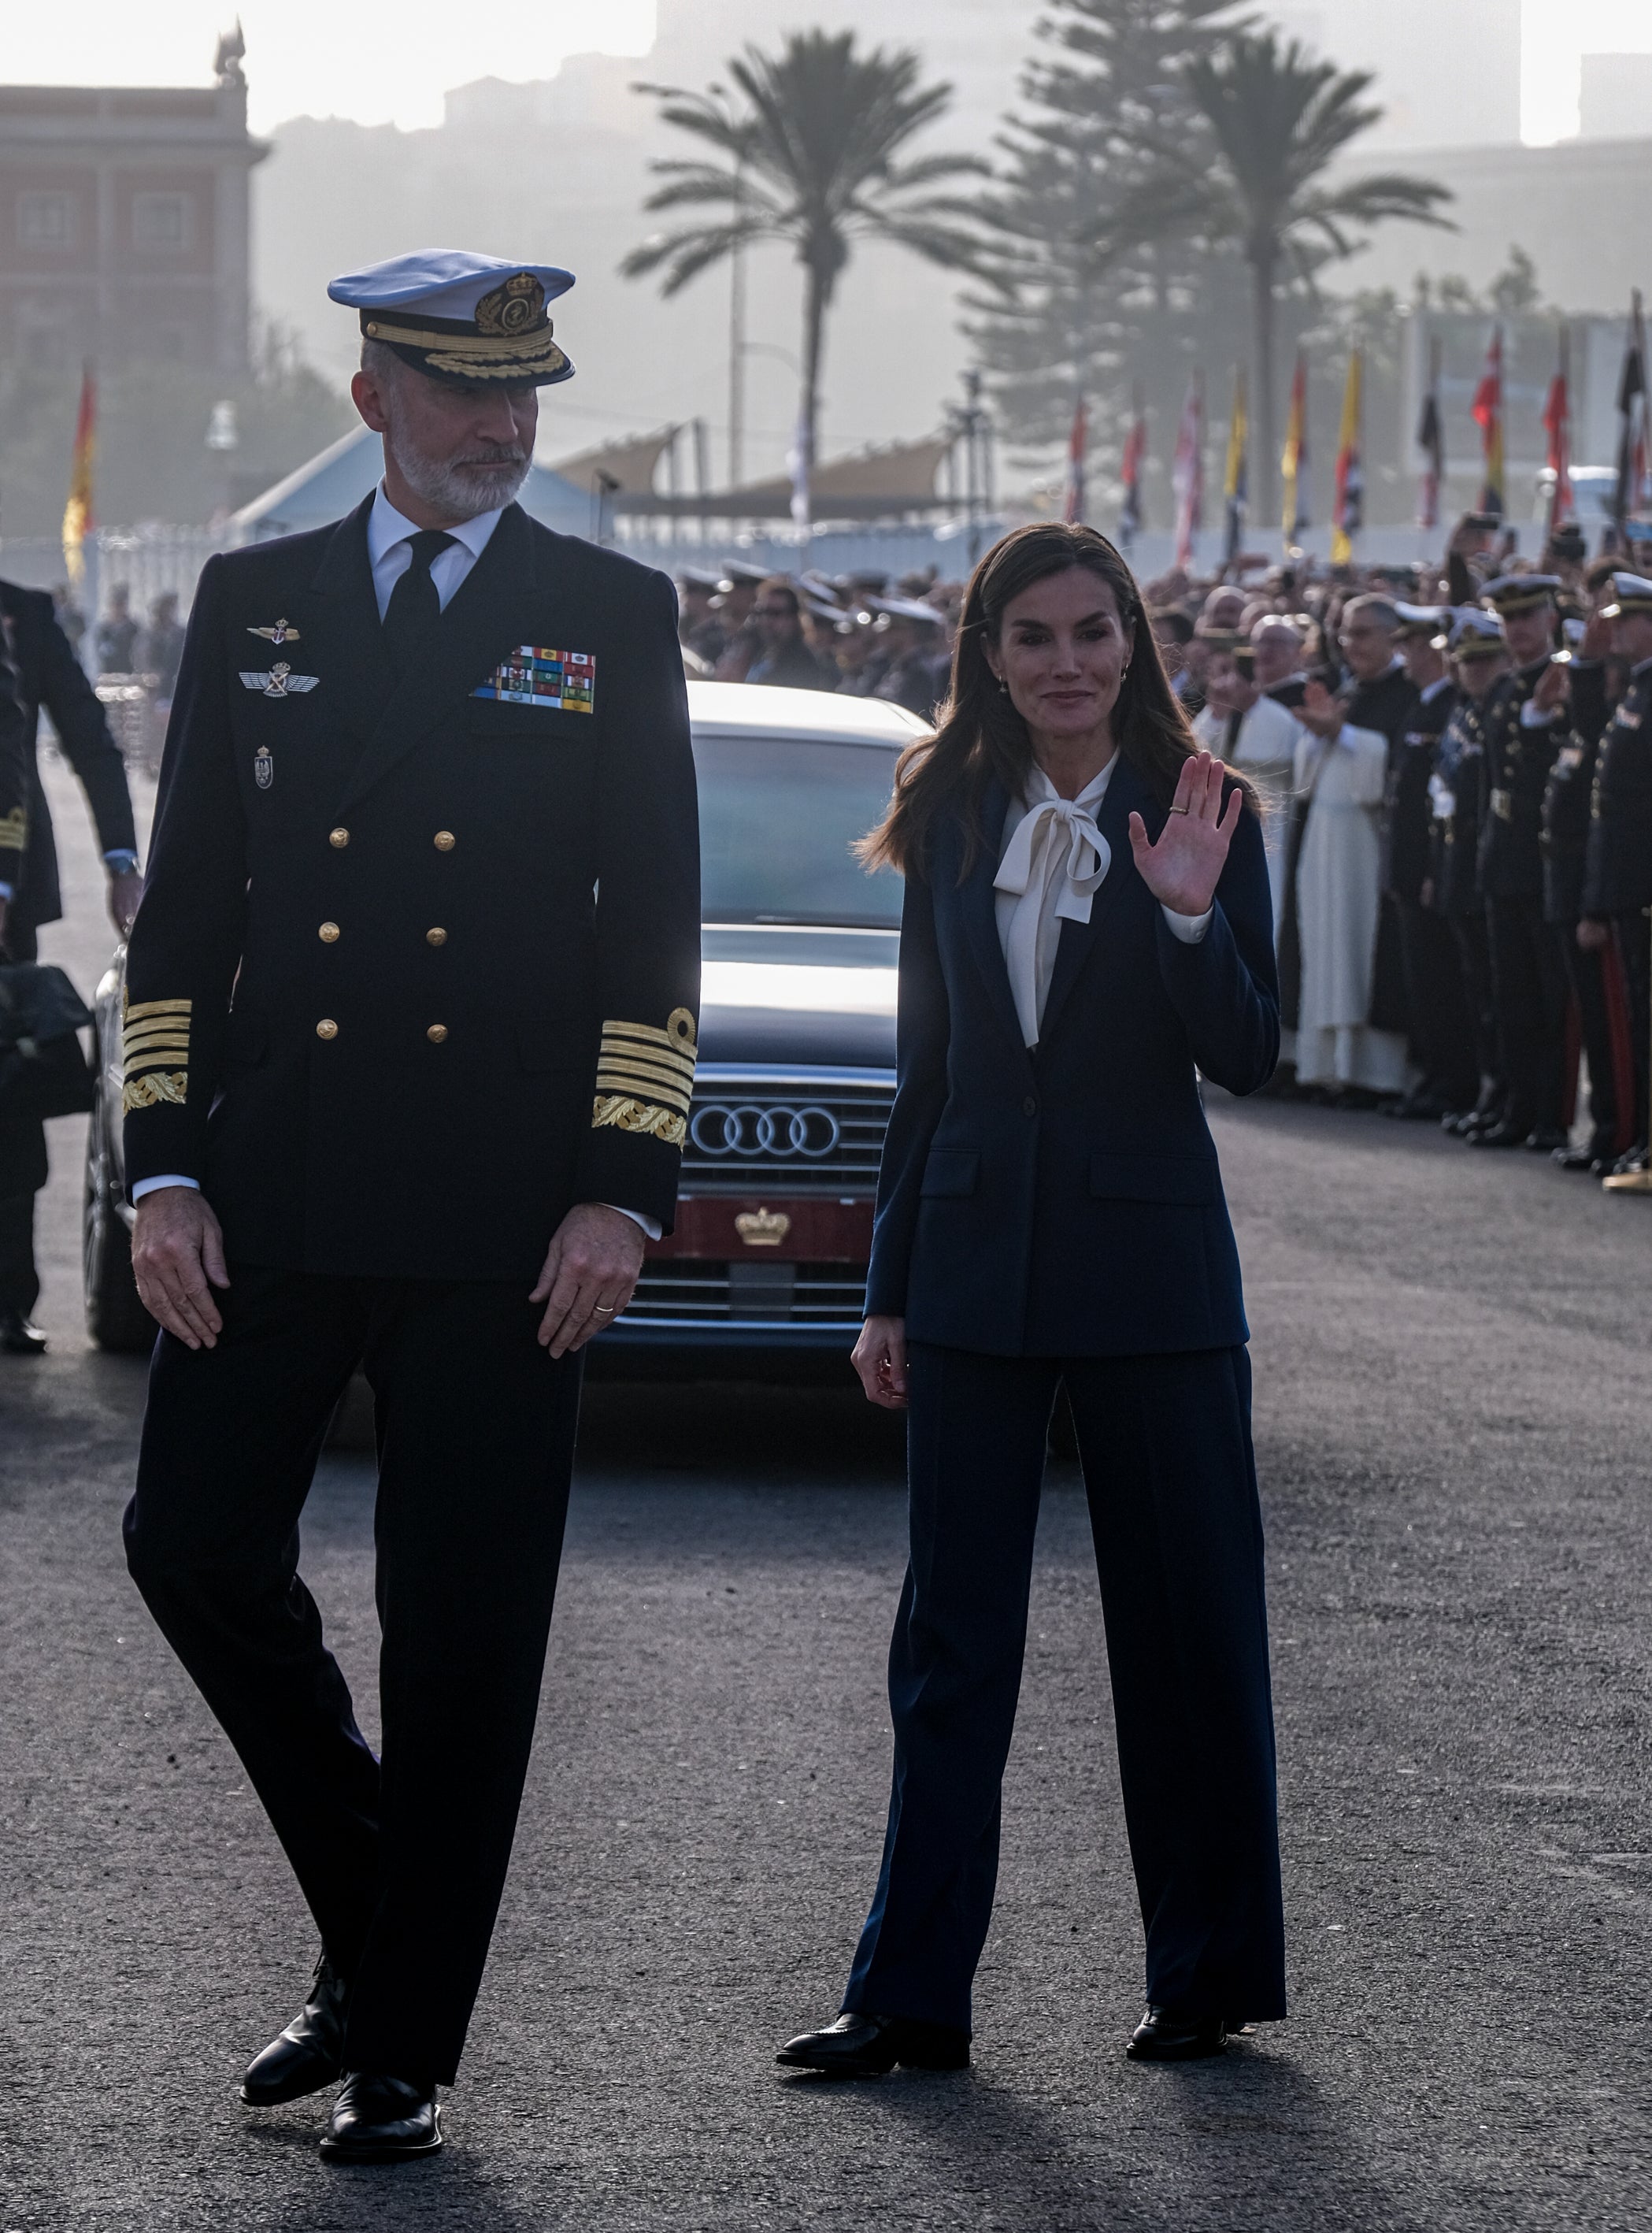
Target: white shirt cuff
pixel 169 1178
pixel 1533 717
pixel 1189 928
pixel 650 1225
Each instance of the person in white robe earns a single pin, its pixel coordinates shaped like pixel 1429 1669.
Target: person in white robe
pixel 1340 775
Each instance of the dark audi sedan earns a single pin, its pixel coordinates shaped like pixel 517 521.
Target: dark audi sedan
pixel 767 1265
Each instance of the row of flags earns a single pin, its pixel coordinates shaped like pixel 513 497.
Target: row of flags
pixel 1633 495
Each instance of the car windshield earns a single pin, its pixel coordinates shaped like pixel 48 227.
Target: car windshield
pixel 777 817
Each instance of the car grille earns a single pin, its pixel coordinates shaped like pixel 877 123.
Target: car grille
pixel 692 1291
pixel 817 1133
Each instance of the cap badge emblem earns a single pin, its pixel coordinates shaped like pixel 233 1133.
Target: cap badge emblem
pixel 280 682
pixel 763 1228
pixel 282 632
pixel 515 307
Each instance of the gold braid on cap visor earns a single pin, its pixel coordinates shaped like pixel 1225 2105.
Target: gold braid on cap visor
pixel 475 357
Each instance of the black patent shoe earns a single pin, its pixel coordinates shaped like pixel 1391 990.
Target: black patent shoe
pixel 1501 1135
pixel 1170 2036
pixel 309 2054
pixel 1582 1159
pixel 1546 1140
pixel 870 2047
pixel 20 1337
pixel 378 2120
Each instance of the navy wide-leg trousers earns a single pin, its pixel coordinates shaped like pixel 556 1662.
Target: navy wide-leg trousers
pixel 1165 1447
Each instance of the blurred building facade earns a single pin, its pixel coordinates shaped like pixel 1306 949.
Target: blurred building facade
pixel 124 222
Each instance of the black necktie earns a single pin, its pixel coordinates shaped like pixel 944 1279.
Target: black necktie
pixel 411 616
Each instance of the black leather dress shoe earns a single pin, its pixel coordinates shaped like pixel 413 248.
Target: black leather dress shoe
pixel 1546 1140
pixel 18 1337
pixel 1169 2035
pixel 1501 1135
pixel 870 2047
pixel 1582 1159
pixel 309 2054
pixel 382 2119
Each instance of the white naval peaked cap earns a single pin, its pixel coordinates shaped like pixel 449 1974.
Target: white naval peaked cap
pixel 1473 627
pixel 1631 592
pixel 460 316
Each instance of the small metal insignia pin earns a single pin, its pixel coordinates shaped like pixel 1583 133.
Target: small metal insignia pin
pixel 282 632
pixel 264 767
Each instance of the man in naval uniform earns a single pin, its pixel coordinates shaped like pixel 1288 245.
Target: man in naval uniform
pixel 1525 725
pixel 409 1040
pixel 1617 879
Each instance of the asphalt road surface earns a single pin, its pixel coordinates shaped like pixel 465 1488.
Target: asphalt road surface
pixel 1452 1385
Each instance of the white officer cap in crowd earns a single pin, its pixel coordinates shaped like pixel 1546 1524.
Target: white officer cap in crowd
pixel 1520 593
pixel 461 317
pixel 909 609
pixel 1474 634
pixel 1431 621
pixel 1631 593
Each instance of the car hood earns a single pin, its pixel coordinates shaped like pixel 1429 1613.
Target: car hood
pixel 774 993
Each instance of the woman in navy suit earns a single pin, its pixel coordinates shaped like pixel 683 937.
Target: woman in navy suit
pixel 1086 927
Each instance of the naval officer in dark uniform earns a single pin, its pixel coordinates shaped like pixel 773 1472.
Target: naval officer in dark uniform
pixel 1617 879
pixel 409 1041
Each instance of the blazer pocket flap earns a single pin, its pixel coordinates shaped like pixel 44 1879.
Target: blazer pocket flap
pixel 1156 1178
pixel 951 1170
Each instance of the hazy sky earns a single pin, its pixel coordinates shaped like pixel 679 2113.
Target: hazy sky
pixel 345 58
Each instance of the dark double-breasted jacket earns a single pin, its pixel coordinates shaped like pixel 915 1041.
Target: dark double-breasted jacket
pixel 1519 757
pixel 1066 1200
pixel 1407 864
pixel 49 675
pixel 1618 875
pixel 1568 795
pixel 1457 795
pixel 417 964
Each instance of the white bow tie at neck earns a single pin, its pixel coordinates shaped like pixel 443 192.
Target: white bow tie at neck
pixel 1057 852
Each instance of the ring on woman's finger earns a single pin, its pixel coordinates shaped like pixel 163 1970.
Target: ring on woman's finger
pixel 1178 810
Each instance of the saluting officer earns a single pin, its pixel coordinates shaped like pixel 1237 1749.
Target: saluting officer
pixel 409 1041
pixel 1441 1034
pixel 1618 883
pixel 1525 726
pixel 1457 799
pixel 1596 987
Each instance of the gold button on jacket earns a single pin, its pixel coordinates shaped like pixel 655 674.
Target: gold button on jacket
pixel 437 937
pixel 436 1033
pixel 339 837
pixel 327 1029
pixel 445 841
pixel 327 933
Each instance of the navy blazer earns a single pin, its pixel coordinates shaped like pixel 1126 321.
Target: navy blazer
pixel 1065 1201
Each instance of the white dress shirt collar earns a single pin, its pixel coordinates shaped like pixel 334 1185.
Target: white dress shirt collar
pixel 390 550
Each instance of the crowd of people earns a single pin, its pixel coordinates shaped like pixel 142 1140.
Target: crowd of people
pixel 1455 767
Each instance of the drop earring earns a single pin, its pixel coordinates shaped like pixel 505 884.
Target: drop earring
pixel 1003 688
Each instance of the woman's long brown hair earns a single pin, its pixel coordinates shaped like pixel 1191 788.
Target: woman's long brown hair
pixel 978 734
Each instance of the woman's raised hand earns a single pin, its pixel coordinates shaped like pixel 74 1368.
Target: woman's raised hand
pixel 1182 870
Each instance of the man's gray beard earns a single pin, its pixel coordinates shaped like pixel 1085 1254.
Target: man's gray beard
pixel 461 491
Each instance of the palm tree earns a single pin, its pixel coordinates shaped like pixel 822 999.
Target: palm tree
pixel 1278 121
pixel 814 158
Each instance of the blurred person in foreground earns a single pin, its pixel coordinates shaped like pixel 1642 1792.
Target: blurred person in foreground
pixel 1087 927
pixel 409 1041
pixel 48 675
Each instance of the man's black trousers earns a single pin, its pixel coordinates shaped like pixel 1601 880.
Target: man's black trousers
pixel 1529 991
pixel 1442 1028
pixel 402 1860
pixel 1475 966
pixel 1634 950
pixel 22 1174
pixel 1166 1446
pixel 1594 992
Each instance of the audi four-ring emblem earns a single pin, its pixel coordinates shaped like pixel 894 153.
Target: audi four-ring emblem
pixel 744 1128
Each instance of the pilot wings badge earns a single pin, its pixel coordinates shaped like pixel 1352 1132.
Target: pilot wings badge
pixel 280 682
pixel 282 632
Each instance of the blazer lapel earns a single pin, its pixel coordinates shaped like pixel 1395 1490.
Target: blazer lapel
pixel 1125 792
pixel 341 641
pixel 979 902
pixel 487 616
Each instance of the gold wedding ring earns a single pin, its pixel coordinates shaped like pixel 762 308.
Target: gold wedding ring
pixel 1178 810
